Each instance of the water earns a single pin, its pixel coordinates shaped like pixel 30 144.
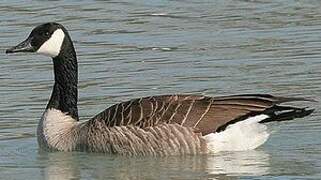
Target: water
pixel 141 48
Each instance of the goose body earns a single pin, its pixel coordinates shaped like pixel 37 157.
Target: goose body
pixel 156 125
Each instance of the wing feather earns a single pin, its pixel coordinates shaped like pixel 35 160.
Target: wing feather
pixel 205 114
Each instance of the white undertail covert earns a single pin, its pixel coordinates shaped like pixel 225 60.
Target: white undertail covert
pixel 244 135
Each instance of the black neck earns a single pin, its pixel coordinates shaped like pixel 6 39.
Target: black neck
pixel 65 94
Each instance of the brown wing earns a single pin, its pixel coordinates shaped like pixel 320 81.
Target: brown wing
pixel 206 114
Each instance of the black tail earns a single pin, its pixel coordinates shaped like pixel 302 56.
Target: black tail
pixel 285 113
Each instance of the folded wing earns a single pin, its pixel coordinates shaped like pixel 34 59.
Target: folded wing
pixel 205 114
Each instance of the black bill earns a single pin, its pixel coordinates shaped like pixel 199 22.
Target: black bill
pixel 24 46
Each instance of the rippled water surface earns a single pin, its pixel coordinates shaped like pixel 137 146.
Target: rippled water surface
pixel 141 48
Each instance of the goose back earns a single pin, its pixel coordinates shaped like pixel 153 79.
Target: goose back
pixel 204 114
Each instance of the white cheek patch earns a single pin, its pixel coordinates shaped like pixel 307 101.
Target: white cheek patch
pixel 53 45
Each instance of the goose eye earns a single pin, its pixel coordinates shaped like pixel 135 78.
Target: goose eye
pixel 46 34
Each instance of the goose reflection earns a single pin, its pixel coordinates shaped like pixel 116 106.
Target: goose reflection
pixel 61 165
pixel 252 163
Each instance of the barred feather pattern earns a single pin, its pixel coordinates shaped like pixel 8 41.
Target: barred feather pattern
pixel 160 140
pixel 205 114
pixel 59 131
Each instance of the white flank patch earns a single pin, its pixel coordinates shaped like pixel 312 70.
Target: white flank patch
pixel 244 135
pixel 56 130
pixel 53 45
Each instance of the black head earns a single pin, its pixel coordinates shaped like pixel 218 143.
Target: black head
pixel 45 39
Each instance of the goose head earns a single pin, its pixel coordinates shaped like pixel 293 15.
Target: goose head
pixel 46 39
pixel 52 39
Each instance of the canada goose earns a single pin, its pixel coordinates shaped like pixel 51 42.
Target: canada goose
pixel 156 125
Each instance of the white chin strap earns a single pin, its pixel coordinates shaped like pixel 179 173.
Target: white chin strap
pixel 53 45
